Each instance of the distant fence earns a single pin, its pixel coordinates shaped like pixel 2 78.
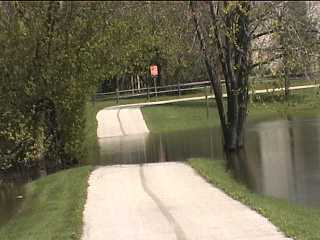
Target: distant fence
pixel 151 91
pixel 178 89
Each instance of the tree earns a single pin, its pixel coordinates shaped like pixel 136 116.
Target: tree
pixel 229 30
pixel 49 67
pixel 236 37
pixel 288 39
pixel 141 33
pixel 54 54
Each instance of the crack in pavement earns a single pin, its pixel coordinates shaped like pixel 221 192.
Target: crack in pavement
pixel 177 228
pixel 120 123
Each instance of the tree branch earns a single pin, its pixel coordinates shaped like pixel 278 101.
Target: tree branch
pixel 213 79
pixel 266 61
pixel 262 34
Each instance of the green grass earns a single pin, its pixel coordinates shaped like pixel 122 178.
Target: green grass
pixel 90 138
pixel 180 116
pixel 193 114
pixel 52 208
pixel 296 221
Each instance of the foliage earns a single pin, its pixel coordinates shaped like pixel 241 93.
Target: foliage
pixel 286 40
pixel 54 55
pixel 49 67
pixel 142 33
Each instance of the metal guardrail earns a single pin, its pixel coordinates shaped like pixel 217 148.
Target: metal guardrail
pixel 173 88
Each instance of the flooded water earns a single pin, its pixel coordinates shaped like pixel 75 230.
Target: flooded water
pixel 10 199
pixel 175 146
pixel 282 158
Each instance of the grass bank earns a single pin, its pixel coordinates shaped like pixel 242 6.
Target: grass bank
pixel 294 220
pixel 180 116
pixel 52 208
pixel 193 114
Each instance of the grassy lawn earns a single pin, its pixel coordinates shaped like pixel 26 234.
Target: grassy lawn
pixel 193 114
pixel 52 208
pixel 294 220
pixel 180 116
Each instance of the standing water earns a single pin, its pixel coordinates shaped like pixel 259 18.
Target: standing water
pixel 282 158
pixel 11 194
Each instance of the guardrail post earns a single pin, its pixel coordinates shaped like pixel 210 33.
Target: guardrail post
pixel 148 92
pixel 179 89
pixel 207 102
pixel 117 94
pixel 155 87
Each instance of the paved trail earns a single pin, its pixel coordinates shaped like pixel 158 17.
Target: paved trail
pixel 115 122
pixel 162 201
pixel 166 201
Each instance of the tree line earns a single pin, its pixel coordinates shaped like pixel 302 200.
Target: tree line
pixel 56 54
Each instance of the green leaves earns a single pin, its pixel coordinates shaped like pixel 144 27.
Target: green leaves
pixel 60 51
pixel 46 59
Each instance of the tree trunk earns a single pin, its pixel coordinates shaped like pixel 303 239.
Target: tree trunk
pixel 55 155
pixel 285 56
pixel 215 83
pixel 233 56
pixel 132 84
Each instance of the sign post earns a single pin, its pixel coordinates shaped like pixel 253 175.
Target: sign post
pixel 154 74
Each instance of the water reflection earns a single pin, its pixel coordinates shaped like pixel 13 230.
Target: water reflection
pixel 176 146
pixel 282 158
pixel 10 200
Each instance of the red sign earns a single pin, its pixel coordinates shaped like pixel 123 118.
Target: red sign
pixel 154 70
